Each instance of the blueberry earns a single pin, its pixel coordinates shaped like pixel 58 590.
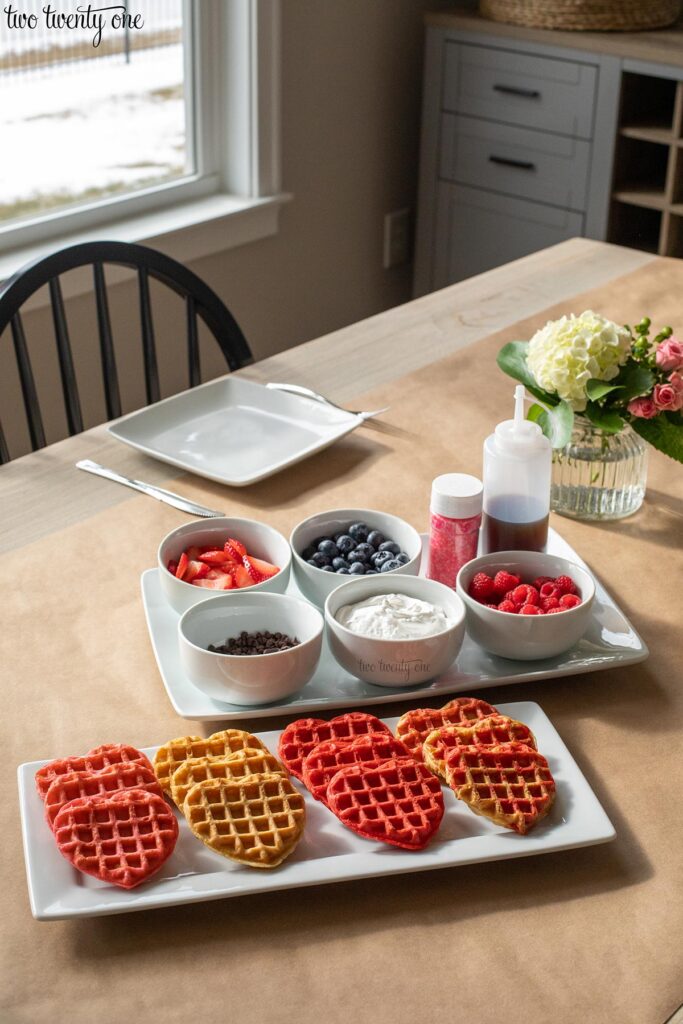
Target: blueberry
pixel 403 558
pixel 345 543
pixel 357 569
pixel 371 572
pixel 364 552
pixel 320 560
pixel 311 562
pixel 390 545
pixel 375 538
pixel 380 557
pixel 317 542
pixel 327 568
pixel 339 563
pixel 328 548
pixel 307 555
pixel 342 572
pixel 393 563
pixel 359 532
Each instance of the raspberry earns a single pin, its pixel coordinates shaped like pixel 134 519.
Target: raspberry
pixel 550 590
pixel 481 587
pixel 540 580
pixel 530 609
pixel 554 611
pixel 565 585
pixel 524 594
pixel 504 581
pixel 508 606
pixel 547 603
pixel 487 605
pixel 569 601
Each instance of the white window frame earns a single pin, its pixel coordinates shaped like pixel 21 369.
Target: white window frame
pixel 235 195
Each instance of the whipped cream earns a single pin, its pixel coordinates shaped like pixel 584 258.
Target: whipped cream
pixel 393 617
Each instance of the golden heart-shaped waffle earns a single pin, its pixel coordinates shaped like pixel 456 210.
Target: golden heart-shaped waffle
pixel 486 732
pixel 250 761
pixel 511 784
pixel 171 755
pixel 414 727
pixel 257 820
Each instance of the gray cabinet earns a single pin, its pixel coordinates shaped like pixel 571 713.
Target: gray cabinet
pixel 517 143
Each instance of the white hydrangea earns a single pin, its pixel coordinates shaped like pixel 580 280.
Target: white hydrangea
pixel 565 354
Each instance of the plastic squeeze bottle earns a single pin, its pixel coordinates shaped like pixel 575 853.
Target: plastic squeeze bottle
pixel 517 467
pixel 455 518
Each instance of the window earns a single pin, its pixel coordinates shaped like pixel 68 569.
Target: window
pixel 154 119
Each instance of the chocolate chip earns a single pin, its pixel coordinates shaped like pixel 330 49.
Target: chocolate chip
pixel 263 642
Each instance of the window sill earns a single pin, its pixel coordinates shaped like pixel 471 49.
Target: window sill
pixel 186 232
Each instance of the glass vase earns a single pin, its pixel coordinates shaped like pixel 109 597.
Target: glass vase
pixel 599 475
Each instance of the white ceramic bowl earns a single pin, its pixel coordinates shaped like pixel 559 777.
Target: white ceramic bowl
pixel 260 540
pixel 526 637
pixel 395 662
pixel 316 584
pixel 253 678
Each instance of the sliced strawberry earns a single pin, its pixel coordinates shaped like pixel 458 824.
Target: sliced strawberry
pixel 194 552
pixel 222 581
pixel 195 571
pixel 254 575
pixel 172 567
pixel 265 568
pixel 182 566
pixel 214 556
pixel 242 577
pixel 234 550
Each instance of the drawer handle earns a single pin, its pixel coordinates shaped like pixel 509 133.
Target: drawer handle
pixel 521 165
pixel 512 90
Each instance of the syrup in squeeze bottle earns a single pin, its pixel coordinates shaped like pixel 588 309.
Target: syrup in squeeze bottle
pixel 517 468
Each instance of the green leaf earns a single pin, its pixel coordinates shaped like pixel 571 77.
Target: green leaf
pixel 556 423
pixel 662 434
pixel 512 360
pixel 634 380
pixel 596 389
pixel 606 419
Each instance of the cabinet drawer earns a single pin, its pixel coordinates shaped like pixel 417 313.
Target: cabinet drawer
pixel 476 230
pixel 518 88
pixel 533 165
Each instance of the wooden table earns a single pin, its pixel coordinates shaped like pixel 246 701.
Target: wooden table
pixel 483 943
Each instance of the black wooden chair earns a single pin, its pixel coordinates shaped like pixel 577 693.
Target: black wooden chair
pixel 200 301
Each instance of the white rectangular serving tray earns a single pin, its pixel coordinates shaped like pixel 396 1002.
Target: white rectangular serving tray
pixel 234 430
pixel 610 641
pixel 328 852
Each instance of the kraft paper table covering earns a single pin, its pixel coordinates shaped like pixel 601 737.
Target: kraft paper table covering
pixel 592 935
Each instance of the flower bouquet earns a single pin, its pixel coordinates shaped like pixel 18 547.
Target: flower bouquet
pixel 613 376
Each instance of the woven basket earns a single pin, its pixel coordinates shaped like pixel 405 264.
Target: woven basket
pixel 584 15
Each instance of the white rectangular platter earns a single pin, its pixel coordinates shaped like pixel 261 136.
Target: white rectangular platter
pixel 610 641
pixel 233 430
pixel 328 851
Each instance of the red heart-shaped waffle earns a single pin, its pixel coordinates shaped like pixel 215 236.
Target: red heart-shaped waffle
pixel 325 760
pixel 414 727
pixel 122 839
pixel 73 785
pixel 94 761
pixel 486 732
pixel 300 737
pixel 511 784
pixel 399 802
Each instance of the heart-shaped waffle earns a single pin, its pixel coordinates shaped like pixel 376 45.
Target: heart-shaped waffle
pixel 250 761
pixel 414 727
pixel 257 820
pixel 94 761
pixel 171 755
pixel 74 785
pixel 486 732
pixel 511 784
pixel 399 802
pixel 325 760
pixel 300 737
pixel 122 839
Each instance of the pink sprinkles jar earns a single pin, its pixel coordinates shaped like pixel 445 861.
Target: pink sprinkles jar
pixel 455 518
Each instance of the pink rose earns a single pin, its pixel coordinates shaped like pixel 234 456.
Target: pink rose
pixel 669 354
pixel 643 408
pixel 669 397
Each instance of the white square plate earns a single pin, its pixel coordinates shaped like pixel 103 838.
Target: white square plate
pixel 609 641
pixel 328 851
pixel 233 430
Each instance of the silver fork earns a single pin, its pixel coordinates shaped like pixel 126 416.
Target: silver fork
pixel 299 389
